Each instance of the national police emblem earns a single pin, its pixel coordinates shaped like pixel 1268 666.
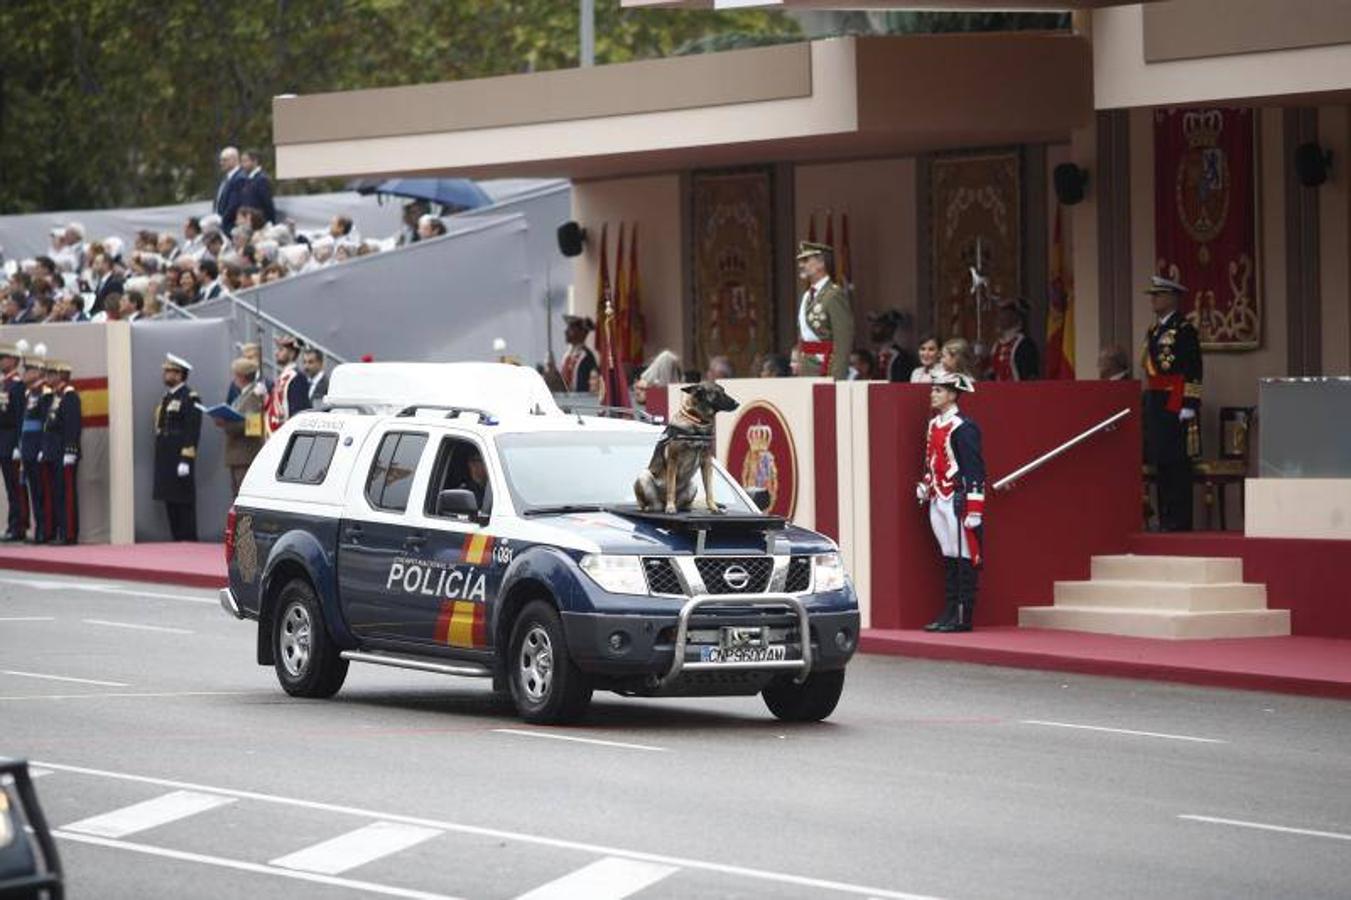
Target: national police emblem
pixel 759 469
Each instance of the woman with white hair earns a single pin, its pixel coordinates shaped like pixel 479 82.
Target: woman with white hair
pixel 662 371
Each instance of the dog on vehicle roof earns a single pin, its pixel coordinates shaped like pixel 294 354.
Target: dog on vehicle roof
pixel 685 447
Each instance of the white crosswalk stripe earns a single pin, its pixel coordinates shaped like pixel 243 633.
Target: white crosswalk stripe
pixel 611 878
pixel 356 848
pixel 161 810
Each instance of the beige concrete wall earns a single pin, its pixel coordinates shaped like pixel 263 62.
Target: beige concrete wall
pixel 1082 223
pixel 879 196
pixel 1122 78
pixel 1230 378
pixel 654 203
pixel 1334 224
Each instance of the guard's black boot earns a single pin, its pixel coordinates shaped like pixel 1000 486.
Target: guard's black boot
pixel 949 596
pixel 966 597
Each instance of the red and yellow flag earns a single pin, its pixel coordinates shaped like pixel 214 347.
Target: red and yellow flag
pixel 845 264
pixel 832 257
pixel 635 324
pixel 477 550
pixel 1060 312
pixel 602 288
pixel 461 623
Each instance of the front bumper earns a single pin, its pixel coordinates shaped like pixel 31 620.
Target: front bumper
pixel 646 645
pixel 230 604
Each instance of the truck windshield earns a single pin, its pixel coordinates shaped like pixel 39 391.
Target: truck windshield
pixel 553 471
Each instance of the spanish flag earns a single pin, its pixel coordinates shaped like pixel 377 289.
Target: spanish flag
pixel 1060 313
pixel 477 550
pixel 461 623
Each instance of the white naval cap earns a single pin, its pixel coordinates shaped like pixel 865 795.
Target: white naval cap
pixel 176 362
pixel 1160 285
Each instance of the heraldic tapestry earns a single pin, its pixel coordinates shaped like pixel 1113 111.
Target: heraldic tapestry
pixel 1205 223
pixel 733 266
pixel 976 225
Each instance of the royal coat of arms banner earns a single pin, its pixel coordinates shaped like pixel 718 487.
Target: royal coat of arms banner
pixel 977 228
pixel 1205 222
pixel 733 266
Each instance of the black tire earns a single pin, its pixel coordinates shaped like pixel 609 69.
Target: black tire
pixel 307 665
pixel 811 701
pixel 546 686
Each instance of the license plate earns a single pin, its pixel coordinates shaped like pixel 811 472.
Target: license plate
pixel 772 653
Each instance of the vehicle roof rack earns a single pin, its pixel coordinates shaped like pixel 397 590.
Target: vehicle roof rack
pixel 452 412
pixel 638 415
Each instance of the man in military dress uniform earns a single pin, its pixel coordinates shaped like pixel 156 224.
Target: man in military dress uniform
pixel 36 399
pixel 1172 365
pixel 178 427
pixel 11 420
pixel 894 361
pixel 825 321
pixel 290 393
pixel 579 362
pixel 1014 356
pixel 61 452
pixel 954 487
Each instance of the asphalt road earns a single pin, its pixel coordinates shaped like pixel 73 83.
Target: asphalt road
pixel 170 764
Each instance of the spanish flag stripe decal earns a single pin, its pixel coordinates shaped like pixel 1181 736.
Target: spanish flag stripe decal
pixel 462 624
pixel 477 550
pixel 480 626
pixel 442 634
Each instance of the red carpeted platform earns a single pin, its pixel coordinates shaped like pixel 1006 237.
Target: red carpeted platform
pixel 189 565
pixel 1291 665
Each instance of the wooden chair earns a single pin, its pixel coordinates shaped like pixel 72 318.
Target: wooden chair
pixel 1230 466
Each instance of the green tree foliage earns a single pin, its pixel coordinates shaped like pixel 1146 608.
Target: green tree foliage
pixel 126 102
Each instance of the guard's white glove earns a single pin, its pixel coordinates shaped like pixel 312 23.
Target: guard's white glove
pixel 972 521
pixel 16 455
pixel 42 456
pixel 69 459
pixel 183 470
pixel 260 389
pixel 921 491
pixel 1186 414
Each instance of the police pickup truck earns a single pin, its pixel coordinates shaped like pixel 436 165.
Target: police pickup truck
pixel 451 518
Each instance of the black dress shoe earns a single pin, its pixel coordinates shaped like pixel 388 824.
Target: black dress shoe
pixel 949 627
pixel 935 625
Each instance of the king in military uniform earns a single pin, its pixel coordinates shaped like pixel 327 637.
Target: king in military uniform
pixel 61 432
pixel 178 427
pixel 1172 364
pixel 36 400
pixel 11 420
pixel 953 486
pixel 825 321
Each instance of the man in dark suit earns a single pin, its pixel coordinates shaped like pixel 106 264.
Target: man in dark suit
pixel 106 282
pixel 256 189
pixel 228 193
pixel 312 361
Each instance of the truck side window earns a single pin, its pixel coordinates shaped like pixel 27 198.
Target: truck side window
pixel 392 470
pixel 459 464
pixel 307 457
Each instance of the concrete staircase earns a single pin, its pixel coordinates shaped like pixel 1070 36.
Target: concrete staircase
pixel 1175 597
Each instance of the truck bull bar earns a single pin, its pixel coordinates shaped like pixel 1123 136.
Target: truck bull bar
pixel 803 665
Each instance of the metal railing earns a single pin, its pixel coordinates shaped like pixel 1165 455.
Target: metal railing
pixel 1012 478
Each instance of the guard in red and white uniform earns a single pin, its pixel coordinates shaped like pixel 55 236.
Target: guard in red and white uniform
pixel 290 393
pixel 954 487
pixel 1014 356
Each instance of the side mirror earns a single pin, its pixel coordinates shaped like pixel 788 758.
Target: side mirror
pixel 457 503
pixel 760 497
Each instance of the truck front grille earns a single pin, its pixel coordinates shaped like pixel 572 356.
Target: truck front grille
pixel 661 576
pixel 735 574
pixel 799 575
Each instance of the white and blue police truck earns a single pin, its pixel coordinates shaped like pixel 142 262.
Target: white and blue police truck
pixel 451 518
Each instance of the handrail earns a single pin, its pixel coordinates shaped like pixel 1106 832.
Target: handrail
pixel 1007 481
pixel 254 310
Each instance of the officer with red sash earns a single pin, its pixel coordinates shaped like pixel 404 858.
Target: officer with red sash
pixel 579 362
pixel 825 321
pixel 954 487
pixel 1172 401
pixel 290 393
pixel 1014 356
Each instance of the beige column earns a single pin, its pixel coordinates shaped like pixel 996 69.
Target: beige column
pixel 1082 222
pixel 121 431
pixel 1334 251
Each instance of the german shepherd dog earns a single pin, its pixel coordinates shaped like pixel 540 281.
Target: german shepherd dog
pixel 685 447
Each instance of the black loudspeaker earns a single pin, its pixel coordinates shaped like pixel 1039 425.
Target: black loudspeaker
pixel 1311 164
pixel 1070 181
pixel 571 238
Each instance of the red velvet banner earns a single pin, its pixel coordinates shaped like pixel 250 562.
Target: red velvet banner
pixel 1205 223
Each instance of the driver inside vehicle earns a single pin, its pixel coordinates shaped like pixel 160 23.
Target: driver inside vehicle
pixel 476 477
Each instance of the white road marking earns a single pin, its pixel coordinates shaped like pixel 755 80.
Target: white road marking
pixel 151 813
pixel 612 878
pixel 257 868
pixel 1261 826
pixel 1153 734
pixel 64 678
pixel 356 848
pixel 27 618
pixel 500 834
pixel 38 773
pixel 42 585
pixel 164 628
pixel 119 694
pixel 579 740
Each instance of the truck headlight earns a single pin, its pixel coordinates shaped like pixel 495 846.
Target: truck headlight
pixel 827 572
pixel 616 574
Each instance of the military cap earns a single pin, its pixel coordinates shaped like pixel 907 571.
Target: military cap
pixel 53 365
pixel 10 350
pixel 957 381
pixel 583 321
pixel 176 362
pixel 62 368
pixel 290 340
pixel 808 249
pixel 1160 285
